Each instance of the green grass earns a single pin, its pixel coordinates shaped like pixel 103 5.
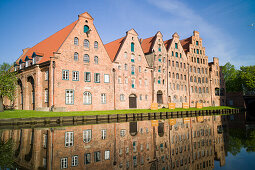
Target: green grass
pixel 31 113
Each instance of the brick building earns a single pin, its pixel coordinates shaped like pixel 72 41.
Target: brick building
pixel 73 70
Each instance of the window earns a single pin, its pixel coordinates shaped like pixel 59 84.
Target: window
pixel 133 83
pixel 107 78
pixel 197 51
pixel 119 80
pixel 134 147
pixel 177 76
pixel 46 75
pixel 176 54
pixel 122 132
pixel 196 42
pixel 87 98
pixel 139 58
pixel 159 47
pixel 126 80
pixel 159 58
pixel 140 82
pixel 76 41
pixel 33 60
pixel 96 44
pixel 172 53
pixel 106 155
pixel 65 74
pixel 122 97
pixel 97 157
pixel 180 55
pixel 87 77
pixel 87 158
pixel 125 67
pixel 46 94
pixel 159 69
pixel 125 55
pixel 69 97
pixel 96 59
pixel 75 75
pixel 76 56
pixel 75 160
pixel 63 163
pixel 140 69
pixel 68 139
pixel 103 98
pixel 146 82
pixel 26 64
pixel 197 60
pixel 134 161
pixel 87 135
pixel 132 47
pixel 132 69
pixel 97 77
pixel 141 97
pixel 103 132
pixel 132 58
pixel 86 43
pixel 200 90
pixel 159 80
pixel 86 28
pixel 45 141
pixel 86 58
pixel 176 45
pixel 146 97
pixel 177 64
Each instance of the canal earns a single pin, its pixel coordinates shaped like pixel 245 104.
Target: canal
pixel 204 142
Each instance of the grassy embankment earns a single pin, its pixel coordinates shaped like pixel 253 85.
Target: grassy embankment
pixel 31 113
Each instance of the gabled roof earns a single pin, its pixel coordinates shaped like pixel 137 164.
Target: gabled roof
pixel 147 44
pixel 167 43
pixel 51 44
pixel 185 44
pixel 113 47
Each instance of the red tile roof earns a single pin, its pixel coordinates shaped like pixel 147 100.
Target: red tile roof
pixel 49 45
pixel 185 44
pixel 147 44
pixel 167 43
pixel 113 47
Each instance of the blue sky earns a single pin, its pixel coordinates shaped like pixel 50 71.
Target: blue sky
pixel 223 25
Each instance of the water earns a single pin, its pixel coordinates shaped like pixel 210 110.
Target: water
pixel 204 142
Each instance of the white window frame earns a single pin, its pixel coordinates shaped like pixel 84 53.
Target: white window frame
pixel 106 78
pixel 69 96
pixel 76 56
pixel 69 136
pixel 46 75
pixel 76 41
pixel 75 160
pixel 107 155
pixel 103 134
pixel 87 135
pixel 87 98
pixel 46 95
pixel 122 97
pixel 64 163
pixel 75 76
pixel 123 132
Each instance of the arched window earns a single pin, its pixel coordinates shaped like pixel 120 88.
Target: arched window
pixel 95 44
pixel 76 41
pixel 173 76
pixel 195 79
pixel 185 98
pixel 86 28
pixel 177 76
pixel 159 80
pixel 191 79
pixel 159 47
pixel 96 59
pixel 178 87
pixel 132 47
pixel 207 91
pixel 176 54
pixel 86 58
pixel 86 43
pixel 181 77
pixel 76 56
pixel 87 98
pixel 199 80
pixel 159 58
pixel 200 90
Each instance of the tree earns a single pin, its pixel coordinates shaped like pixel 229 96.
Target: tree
pixel 7 154
pixel 7 83
pixel 232 78
pixel 247 75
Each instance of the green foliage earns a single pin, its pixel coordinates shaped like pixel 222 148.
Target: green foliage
pixel 236 80
pixel 247 75
pixel 7 153
pixel 7 81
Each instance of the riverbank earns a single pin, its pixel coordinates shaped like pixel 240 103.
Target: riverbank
pixel 36 114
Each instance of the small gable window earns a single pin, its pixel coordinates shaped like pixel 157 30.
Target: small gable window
pixel 76 41
pixel 86 28
pixel 196 42
pixel 86 58
pixel 176 45
pixel 180 55
pixel 76 56
pixel 176 54
pixel 159 47
pixel 96 59
pixel 197 51
pixel 96 44
pixel 172 53
pixel 86 43
pixel 132 47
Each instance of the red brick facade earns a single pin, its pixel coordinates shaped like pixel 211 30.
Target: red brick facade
pixel 73 70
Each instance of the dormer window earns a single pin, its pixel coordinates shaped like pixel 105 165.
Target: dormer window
pixel 33 60
pixel 20 66
pixel 26 65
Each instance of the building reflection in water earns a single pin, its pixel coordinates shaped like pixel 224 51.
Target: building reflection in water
pixel 182 143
